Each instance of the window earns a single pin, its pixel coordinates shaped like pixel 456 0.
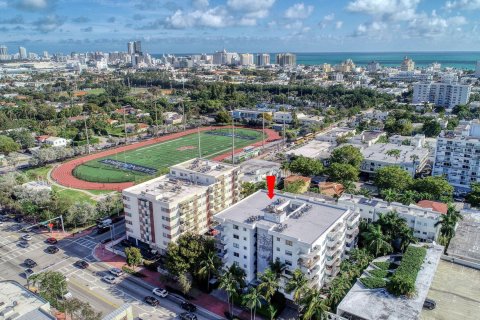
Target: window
pixel 235 245
pixel 235 227
pixel 126 198
pixel 288 253
pixel 288 243
pixel 278 249
pixel 278 239
pixel 244 248
pixel 244 238
pixel 235 236
pixel 288 262
pixel 244 229
pixel 235 254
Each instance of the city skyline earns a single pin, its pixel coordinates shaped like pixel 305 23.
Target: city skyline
pixel 246 26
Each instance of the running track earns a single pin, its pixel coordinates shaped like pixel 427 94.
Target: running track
pixel 63 173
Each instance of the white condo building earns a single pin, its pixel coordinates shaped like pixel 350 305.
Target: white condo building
pixel 246 59
pixel 302 232
pixel 421 220
pixel 262 59
pixel 477 70
pixel 158 211
pixel 458 155
pixel 443 94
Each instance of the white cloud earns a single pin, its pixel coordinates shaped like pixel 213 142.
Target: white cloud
pixel 338 24
pixel 200 3
pixel 34 5
pixel 212 18
pixel 3 4
pixel 396 10
pixel 49 23
pixel 299 11
pixel 463 4
pixel 329 17
pixel 250 5
pixel 434 25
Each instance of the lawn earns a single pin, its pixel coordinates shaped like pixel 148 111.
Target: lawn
pixel 165 154
pixel 38 173
pixel 73 195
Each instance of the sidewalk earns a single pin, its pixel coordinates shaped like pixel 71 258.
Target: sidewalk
pixel 203 300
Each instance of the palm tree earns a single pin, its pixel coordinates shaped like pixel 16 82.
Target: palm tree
pixel 314 306
pixel 238 274
pixel 278 267
pixel 393 153
pixel 414 159
pixel 285 167
pixel 448 224
pixel 349 187
pixel 297 284
pixel 389 195
pixel 361 257
pixel 229 284
pixel 269 283
pixel 408 196
pixel 338 289
pixel 252 300
pixel 208 266
pixel 376 241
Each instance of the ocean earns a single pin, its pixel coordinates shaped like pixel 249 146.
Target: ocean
pixel 459 60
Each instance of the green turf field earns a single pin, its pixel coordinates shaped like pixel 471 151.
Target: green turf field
pixel 163 155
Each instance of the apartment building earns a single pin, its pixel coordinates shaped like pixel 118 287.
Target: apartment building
pixel 457 156
pixel 304 233
pixel 256 170
pixel 421 220
pixel 443 94
pixel 158 211
pixel 245 114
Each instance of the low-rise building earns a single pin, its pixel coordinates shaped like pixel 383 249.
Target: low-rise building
pixel 301 232
pixel 172 118
pixel 245 114
pixel 367 138
pixel 158 211
pixel 282 117
pixel 417 140
pixel 256 170
pixel 56 142
pixel 335 133
pixel 421 220
pixel 314 149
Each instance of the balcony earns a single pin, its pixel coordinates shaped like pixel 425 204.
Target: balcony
pixel 353 220
pixel 335 262
pixel 308 260
pixel 332 272
pixel 352 233
pixel 332 240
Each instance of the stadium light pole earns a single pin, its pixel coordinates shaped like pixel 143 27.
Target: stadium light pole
pixel 199 145
pixel 263 131
pixel 86 132
pixel 233 137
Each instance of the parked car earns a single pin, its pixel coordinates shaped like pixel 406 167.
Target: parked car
pixel 188 306
pixel 116 272
pixel 28 272
pixel 29 263
pixel 82 264
pixel 429 304
pixel 23 244
pixel 187 316
pixel 151 301
pixel 160 292
pixel 52 249
pixel 27 237
pixel 51 241
pixel 109 279
pixel 102 230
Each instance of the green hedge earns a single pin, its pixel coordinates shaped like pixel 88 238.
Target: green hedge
pixel 373 282
pixel 379 273
pixel 385 265
pixel 403 280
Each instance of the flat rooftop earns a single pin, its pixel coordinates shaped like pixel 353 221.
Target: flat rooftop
pixel 166 188
pixel 313 149
pixel 204 166
pixel 373 304
pixel 378 152
pixel 21 304
pixel 306 218
pixel 466 243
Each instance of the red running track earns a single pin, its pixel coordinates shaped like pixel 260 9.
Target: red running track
pixel 63 174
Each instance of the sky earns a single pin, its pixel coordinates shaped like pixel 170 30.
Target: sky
pixel 197 26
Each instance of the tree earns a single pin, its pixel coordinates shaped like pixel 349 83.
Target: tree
pixel 248 188
pixel 268 283
pixel 228 282
pixel 448 223
pixel 52 285
pixel 223 117
pixel 407 197
pixel 393 177
pixel 389 195
pixel 208 267
pixel 253 300
pixel 185 283
pixel 431 128
pixel 473 197
pixel 7 145
pixel 88 313
pixel 313 306
pixel 295 187
pixel 343 173
pixel 80 213
pixel 306 166
pixel 23 138
pixel 437 186
pixel 278 267
pixel 72 306
pixel 376 242
pixel 394 153
pixel 297 284
pixel 347 155
pixel 134 256
pixel 338 289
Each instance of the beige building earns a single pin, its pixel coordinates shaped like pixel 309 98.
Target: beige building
pixel 158 211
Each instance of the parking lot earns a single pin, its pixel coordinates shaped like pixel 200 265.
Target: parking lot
pixel 85 284
pixel 456 290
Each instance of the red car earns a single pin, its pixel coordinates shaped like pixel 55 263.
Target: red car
pixel 52 241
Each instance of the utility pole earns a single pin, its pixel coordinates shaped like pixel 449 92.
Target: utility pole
pixel 263 131
pixel 233 139
pixel 284 134
pixel 183 105
pixel 156 119
pixel 86 132
pixel 199 145
pixel 125 123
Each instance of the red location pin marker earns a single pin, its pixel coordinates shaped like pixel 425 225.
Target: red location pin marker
pixel 271 186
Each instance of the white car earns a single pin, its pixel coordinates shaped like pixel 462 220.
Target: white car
pixel 116 272
pixel 160 292
pixel 27 237
pixel 109 279
pixel 23 244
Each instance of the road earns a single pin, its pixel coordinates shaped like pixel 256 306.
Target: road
pixel 84 284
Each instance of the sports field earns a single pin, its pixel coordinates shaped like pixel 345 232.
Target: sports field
pixel 143 163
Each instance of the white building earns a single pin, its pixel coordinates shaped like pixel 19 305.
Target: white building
pixel 246 59
pixel 225 58
pixel 409 158
pixel 160 210
pixel 421 220
pixel 458 155
pixel 417 141
pixel 301 232
pixel 335 133
pixel 56 142
pixel 286 59
pixel 172 118
pixel 245 114
pixel 255 170
pixel 477 70
pixel 262 59
pixel 443 94
pixel 282 117
pixel 22 53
